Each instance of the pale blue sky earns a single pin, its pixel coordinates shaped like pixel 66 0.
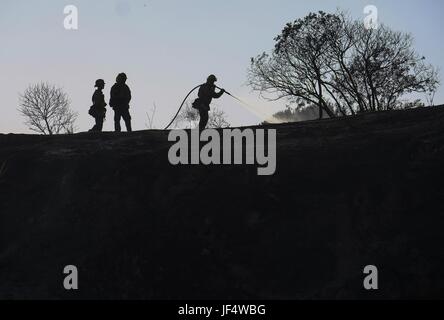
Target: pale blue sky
pixel 167 47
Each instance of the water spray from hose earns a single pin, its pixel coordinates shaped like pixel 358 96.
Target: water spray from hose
pixel 252 109
pixel 256 111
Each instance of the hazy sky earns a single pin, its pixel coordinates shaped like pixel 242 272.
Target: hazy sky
pixel 167 47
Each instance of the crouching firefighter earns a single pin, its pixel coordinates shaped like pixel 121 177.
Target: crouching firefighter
pixel 206 94
pixel 98 109
pixel 119 101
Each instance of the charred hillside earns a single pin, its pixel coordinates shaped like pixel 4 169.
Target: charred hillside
pixel 347 193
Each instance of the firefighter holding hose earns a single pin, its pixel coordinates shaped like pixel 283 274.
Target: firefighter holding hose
pixel 207 92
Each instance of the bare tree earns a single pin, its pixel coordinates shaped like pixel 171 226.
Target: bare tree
pixel 337 64
pixel 47 109
pixel 189 117
pixel 381 68
pixel 298 65
pixel 217 119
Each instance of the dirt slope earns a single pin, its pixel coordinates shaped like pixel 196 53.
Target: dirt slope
pixel 347 193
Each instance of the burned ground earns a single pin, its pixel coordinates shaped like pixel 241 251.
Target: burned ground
pixel 347 193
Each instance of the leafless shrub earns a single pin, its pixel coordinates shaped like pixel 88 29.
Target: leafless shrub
pixel 189 118
pixel 47 109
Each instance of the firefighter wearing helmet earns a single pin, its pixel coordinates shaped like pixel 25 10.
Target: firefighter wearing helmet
pixel 98 109
pixel 207 93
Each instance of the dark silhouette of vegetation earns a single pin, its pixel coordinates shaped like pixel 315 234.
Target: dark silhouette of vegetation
pixel 150 117
pixel 304 112
pixel 47 109
pixel 341 66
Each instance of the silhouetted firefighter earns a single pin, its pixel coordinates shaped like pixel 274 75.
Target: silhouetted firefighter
pixel 119 101
pixel 98 109
pixel 206 94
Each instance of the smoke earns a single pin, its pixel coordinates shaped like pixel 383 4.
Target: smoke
pixel 296 115
pixel 260 111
